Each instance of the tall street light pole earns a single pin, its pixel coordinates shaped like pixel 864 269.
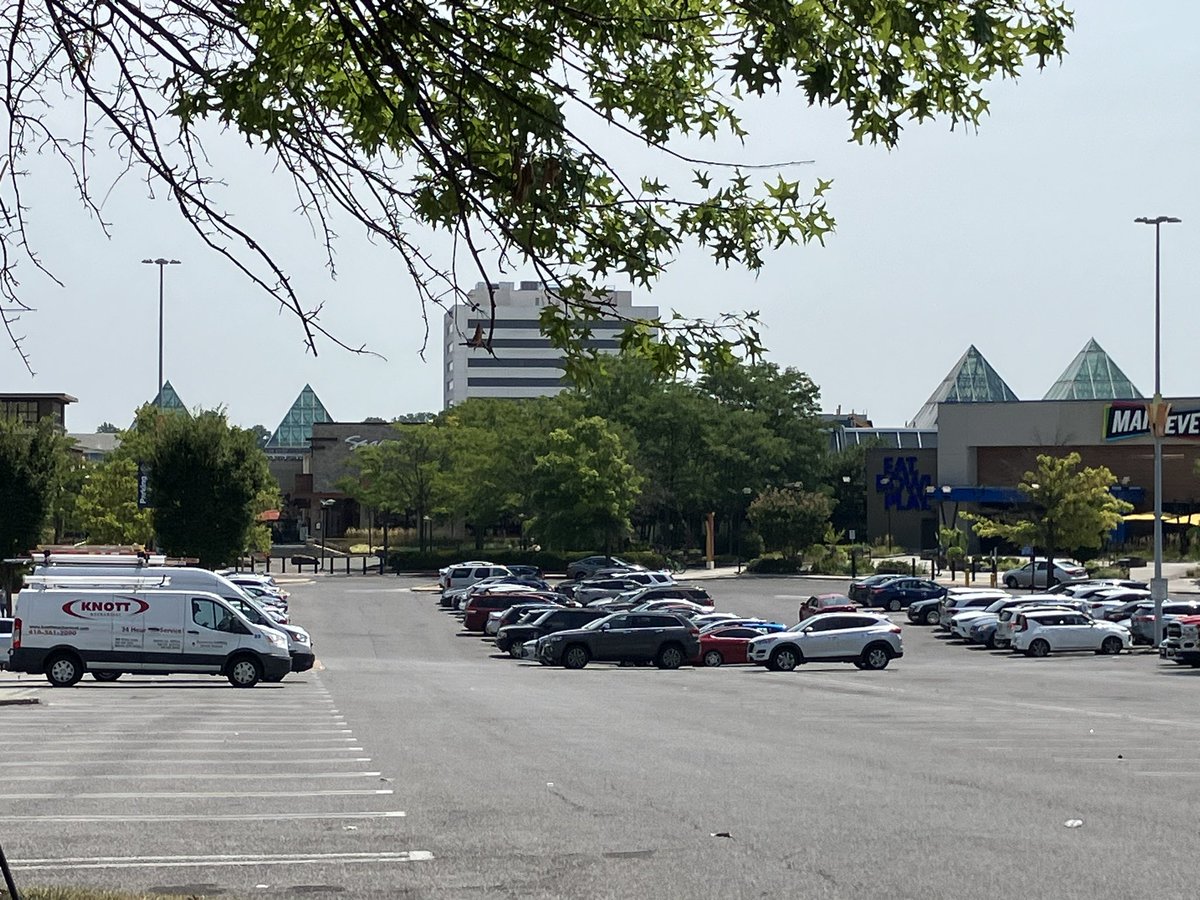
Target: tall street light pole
pixel 1158 587
pixel 162 264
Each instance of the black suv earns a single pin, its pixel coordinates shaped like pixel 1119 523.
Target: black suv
pixel 664 638
pixel 510 637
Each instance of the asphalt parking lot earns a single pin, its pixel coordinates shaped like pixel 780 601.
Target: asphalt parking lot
pixel 950 774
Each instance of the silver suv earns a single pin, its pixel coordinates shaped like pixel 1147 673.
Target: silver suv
pixel 867 641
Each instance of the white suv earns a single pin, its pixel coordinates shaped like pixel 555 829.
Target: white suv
pixel 1039 633
pixel 868 641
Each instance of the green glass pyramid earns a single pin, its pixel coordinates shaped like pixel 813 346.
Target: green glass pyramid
pixel 1092 375
pixel 295 431
pixel 972 380
pixel 170 400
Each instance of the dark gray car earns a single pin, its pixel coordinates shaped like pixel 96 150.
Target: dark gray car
pixel 665 639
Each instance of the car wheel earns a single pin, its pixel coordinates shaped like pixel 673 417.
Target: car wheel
pixel 1111 645
pixel 990 643
pixel 63 669
pixel 784 659
pixel 894 604
pixel 713 658
pixel 876 657
pixel 932 617
pixel 1010 582
pixel 1038 648
pixel 575 657
pixel 244 672
pixel 669 657
pixel 515 651
pixel 107 676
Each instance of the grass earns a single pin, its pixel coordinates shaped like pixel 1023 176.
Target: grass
pixel 71 893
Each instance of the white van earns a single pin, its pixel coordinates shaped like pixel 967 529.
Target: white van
pixel 128 575
pixel 63 632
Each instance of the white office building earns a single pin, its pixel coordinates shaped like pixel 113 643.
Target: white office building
pixel 520 361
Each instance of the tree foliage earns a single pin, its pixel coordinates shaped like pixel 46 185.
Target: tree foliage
pixel 790 520
pixel 403 474
pixel 33 460
pixel 478 118
pixel 107 507
pixel 1073 508
pixel 583 487
pixel 208 483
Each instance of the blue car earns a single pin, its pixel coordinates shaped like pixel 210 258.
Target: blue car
pixel 902 592
pixel 984 632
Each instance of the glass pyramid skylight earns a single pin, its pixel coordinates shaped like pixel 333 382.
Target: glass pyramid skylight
pixel 1092 375
pixel 295 431
pixel 170 400
pixel 972 380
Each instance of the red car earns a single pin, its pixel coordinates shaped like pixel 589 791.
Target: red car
pixel 482 604
pixel 725 646
pixel 826 603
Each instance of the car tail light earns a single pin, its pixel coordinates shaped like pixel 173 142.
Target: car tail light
pixel 16 634
pixel 895 629
pixel 878 590
pixel 1021 625
pixel 694 630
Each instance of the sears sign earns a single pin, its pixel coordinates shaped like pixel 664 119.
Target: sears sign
pixel 105 609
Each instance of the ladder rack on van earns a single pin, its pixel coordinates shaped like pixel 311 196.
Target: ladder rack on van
pixel 127 582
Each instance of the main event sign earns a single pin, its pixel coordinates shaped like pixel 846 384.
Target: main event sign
pixel 1131 420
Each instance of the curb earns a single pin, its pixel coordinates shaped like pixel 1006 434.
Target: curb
pixel 20 701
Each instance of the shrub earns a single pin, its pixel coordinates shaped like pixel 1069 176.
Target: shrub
pixel 893 567
pixel 773 564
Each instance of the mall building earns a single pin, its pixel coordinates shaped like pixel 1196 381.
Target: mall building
pixel 973 440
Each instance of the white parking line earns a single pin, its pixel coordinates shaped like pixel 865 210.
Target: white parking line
pixel 254 732
pixel 10 764
pixel 175 862
pixel 188 776
pixel 281 758
pixel 178 795
pixel 308 743
pixel 226 817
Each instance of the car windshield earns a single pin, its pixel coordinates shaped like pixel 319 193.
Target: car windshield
pixel 997 606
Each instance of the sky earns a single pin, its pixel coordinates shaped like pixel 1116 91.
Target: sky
pixel 1018 238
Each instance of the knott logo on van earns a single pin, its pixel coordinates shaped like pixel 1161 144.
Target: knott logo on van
pixel 105 609
pixel 1130 420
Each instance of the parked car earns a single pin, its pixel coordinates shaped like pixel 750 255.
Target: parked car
pixel 715 620
pixel 465 576
pixel 762 625
pixel 951 606
pixel 480 605
pixel 263 583
pixel 898 593
pixel 1181 644
pixel 983 631
pixel 860 590
pixel 1141 622
pixel 683 607
pixel 664 638
pixel 929 612
pixel 962 623
pixel 1130 602
pixel 1039 633
pixel 444 574
pixel 869 641
pixel 725 646
pixel 697 595
pixel 1006 620
pixel 527 571
pixel 826 603
pixel 1023 577
pixel 6 630
pixel 533 626
pixel 592 589
pixel 498 618
pixel 1082 590
pixel 590 565
pixel 457 598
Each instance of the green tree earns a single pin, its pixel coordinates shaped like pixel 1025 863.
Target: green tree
pixel 583 487
pixel 403 474
pixel 107 428
pixel 208 483
pixel 1071 508
pixel 790 520
pixel 261 434
pixel 32 462
pixel 478 119
pixel 108 508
